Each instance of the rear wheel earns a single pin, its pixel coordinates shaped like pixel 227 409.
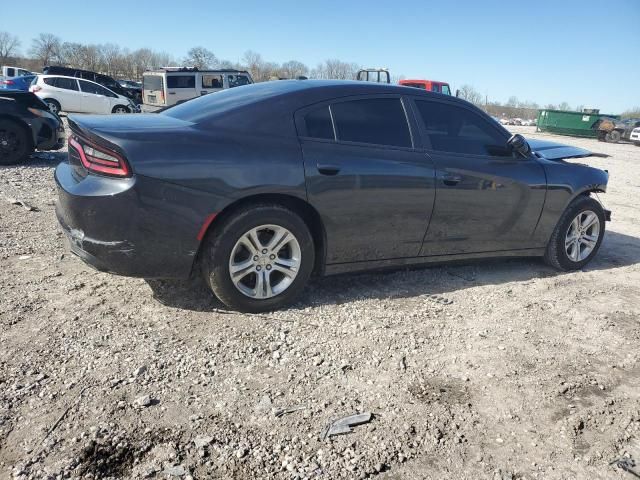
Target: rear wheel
pixel 120 109
pixel 578 235
pixel 15 146
pixel 54 105
pixel 613 136
pixel 259 259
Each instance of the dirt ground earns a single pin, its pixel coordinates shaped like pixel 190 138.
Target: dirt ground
pixel 500 369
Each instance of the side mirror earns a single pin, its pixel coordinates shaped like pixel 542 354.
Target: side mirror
pixel 457 92
pixel 518 144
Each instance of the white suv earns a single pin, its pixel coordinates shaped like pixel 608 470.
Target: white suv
pixel 635 136
pixel 72 94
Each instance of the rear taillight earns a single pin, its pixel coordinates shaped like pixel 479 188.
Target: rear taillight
pixel 8 82
pixel 99 159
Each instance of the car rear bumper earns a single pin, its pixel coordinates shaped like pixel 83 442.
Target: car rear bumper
pixel 125 226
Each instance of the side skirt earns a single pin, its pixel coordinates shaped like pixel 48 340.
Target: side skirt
pixel 337 268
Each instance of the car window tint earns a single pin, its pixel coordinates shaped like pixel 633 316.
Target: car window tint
pixel 457 130
pixel 152 82
pixel 445 90
pixel 211 81
pixel 375 120
pixel 66 83
pixel 181 81
pixel 237 80
pixel 318 123
pixel 89 87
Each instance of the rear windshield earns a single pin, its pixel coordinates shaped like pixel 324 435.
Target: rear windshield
pixel 152 82
pixel 207 106
pixel 415 85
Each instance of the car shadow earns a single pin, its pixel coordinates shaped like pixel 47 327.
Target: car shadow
pixel 40 160
pixel 618 250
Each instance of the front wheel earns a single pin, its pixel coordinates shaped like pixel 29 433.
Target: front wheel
pixel 259 259
pixel 14 143
pixel 54 105
pixel 120 109
pixel 578 235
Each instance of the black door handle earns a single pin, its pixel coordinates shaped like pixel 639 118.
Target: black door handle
pixel 327 169
pixel 451 180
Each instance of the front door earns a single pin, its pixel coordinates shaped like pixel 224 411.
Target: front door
pixel 487 198
pixel 373 190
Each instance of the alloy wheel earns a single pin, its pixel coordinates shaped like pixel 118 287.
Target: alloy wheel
pixel 265 261
pixel 582 236
pixel 52 107
pixel 9 143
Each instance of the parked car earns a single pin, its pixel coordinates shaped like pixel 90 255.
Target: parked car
pixel 257 187
pixel 71 94
pixel 130 84
pixel 613 130
pixel 635 136
pixel 429 85
pixel 26 124
pixel 134 94
pixel 17 83
pixel 174 85
pixel 10 72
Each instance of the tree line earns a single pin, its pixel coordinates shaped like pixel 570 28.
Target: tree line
pixel 116 61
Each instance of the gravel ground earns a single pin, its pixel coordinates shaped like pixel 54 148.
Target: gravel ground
pixel 501 369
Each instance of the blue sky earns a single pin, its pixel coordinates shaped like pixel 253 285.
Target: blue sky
pixel 583 52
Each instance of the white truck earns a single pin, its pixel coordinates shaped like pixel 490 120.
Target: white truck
pixel 8 72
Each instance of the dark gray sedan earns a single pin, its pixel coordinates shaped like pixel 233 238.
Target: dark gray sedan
pixel 258 187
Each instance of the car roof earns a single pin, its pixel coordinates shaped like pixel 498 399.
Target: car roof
pixel 77 78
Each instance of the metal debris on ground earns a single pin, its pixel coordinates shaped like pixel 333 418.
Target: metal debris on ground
pixel 14 201
pixel 344 424
pixel 627 464
pixel 283 411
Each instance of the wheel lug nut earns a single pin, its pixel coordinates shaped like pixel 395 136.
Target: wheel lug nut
pixel 268 267
pixel 258 268
pixel 272 257
pixel 264 250
pixel 255 259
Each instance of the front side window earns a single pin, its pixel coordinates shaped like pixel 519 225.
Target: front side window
pixel 380 121
pixel 211 81
pixel 181 81
pixel 456 129
pixel 66 83
pixel 88 87
pixel 435 87
pixel 445 90
pixel 238 80
pixel 318 123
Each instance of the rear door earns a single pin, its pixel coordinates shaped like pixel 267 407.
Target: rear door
pixel 487 199
pixel 153 89
pixel 65 90
pixel 211 82
pixel 373 189
pixel 181 87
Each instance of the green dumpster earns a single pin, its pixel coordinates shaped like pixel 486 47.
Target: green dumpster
pixel 564 122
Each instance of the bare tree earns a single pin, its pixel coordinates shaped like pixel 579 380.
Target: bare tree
pixel 293 69
pixel 564 106
pixel 8 46
pixel 470 94
pixel 336 69
pixel 201 58
pixel 111 56
pixel 46 48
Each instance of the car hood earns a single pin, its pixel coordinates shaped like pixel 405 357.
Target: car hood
pixel 559 151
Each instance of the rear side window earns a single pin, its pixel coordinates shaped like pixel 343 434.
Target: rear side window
pixel 89 87
pixel 181 81
pixel 152 82
pixel 212 81
pixel 61 82
pixel 457 130
pixel 318 123
pixel 380 121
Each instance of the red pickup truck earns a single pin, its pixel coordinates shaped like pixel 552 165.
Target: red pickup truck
pixel 430 85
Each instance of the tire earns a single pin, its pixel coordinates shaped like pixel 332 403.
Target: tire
pixel 53 105
pixel 120 109
pixel 15 146
pixel 229 244
pixel 560 249
pixel 613 136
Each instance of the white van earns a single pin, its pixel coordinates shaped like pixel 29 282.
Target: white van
pixel 172 85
